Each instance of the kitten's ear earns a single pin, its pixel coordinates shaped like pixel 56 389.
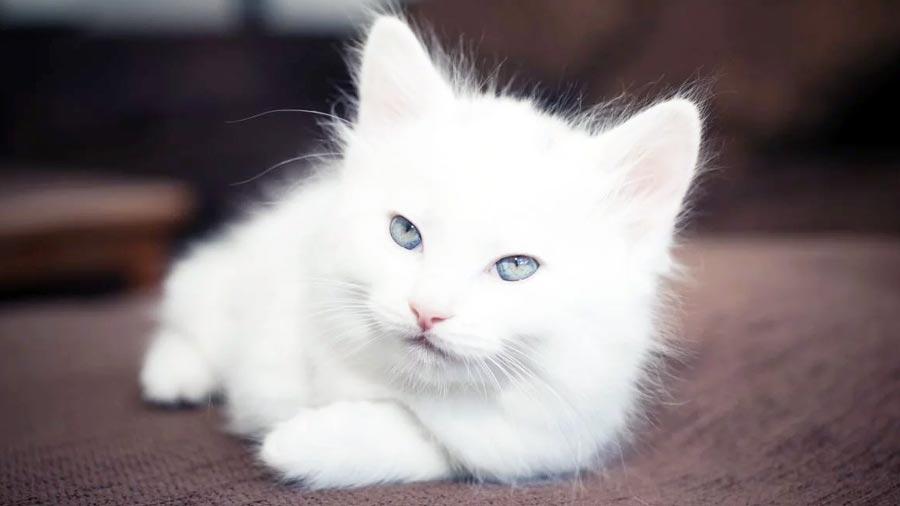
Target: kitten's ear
pixel 397 80
pixel 656 152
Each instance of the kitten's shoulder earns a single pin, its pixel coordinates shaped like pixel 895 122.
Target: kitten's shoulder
pixel 254 243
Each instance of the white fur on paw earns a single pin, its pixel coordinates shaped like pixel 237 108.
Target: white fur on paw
pixel 352 444
pixel 319 449
pixel 291 449
pixel 174 372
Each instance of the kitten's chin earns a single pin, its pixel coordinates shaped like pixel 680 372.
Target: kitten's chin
pixel 430 367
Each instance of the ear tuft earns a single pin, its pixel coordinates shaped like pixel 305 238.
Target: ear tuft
pixel 397 80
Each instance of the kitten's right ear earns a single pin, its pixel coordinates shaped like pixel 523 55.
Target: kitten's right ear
pixel 397 80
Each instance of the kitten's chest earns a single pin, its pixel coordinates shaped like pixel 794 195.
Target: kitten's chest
pixel 332 380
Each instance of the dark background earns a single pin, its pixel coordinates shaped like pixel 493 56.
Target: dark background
pixel 803 97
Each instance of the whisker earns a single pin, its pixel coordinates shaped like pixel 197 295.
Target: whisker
pixel 273 111
pixel 282 164
pixel 491 373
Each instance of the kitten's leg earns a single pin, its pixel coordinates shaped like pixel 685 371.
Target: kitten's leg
pixel 351 444
pixel 175 372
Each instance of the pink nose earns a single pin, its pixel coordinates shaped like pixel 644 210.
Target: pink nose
pixel 426 319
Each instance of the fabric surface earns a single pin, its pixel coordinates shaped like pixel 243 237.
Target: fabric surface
pixel 788 393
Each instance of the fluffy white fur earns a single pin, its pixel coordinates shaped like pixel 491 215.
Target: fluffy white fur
pixel 300 316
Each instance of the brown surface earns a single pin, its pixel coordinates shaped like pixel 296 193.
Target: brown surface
pixel 791 396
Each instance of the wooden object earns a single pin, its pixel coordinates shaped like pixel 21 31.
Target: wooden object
pixel 55 227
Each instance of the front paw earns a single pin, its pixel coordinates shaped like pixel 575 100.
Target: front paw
pixel 301 451
pixel 353 444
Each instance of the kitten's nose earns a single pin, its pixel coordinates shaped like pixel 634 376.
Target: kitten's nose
pixel 426 318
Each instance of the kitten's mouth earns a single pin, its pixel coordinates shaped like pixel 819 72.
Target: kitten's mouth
pixel 423 342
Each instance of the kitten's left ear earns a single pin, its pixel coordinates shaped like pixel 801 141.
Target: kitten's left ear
pixel 397 80
pixel 656 153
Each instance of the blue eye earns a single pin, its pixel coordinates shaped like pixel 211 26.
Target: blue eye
pixel 405 233
pixel 516 268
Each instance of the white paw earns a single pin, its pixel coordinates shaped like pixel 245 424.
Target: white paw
pixel 299 450
pixel 174 372
pixel 352 444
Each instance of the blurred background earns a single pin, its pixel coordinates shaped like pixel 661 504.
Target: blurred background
pixel 116 149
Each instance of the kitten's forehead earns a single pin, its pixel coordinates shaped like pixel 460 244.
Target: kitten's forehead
pixel 500 149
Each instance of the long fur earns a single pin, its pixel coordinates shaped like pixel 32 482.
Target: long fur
pixel 300 315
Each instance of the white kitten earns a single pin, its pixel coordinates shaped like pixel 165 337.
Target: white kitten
pixel 470 291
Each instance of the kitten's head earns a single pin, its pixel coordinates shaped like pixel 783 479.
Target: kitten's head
pixel 482 237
